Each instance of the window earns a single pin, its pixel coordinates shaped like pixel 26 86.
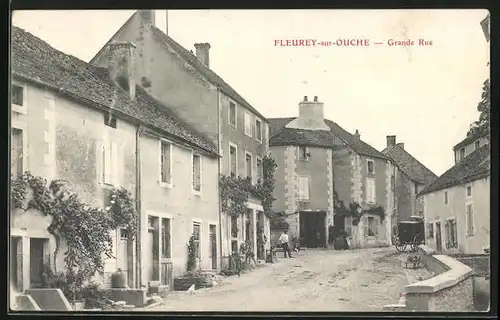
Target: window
pixel 462 153
pixel 446 197
pixel 166 162
pixel 303 153
pixel 260 173
pixel 196 172
pixel 470 220
pixel 450 228
pixel 233 160
pixel 430 230
pixel 232 114
pixel 370 167
pixel 372 228
pixel 393 182
pixel 109 120
pixel 196 235
pixel 248 165
pixel 370 190
pixel 469 191
pixel 477 144
pixel 234 227
pixel 165 238
pixel 123 234
pixel 416 188
pixel 248 124
pixel 110 165
pixel 258 130
pixel 304 188
pixel 17 95
pixel 16 156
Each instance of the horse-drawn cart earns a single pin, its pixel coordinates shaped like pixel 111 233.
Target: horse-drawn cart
pixel 410 234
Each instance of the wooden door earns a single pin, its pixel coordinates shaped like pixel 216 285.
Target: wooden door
pixel 439 243
pixel 16 263
pixel 149 265
pixel 36 263
pixel 122 252
pixel 213 245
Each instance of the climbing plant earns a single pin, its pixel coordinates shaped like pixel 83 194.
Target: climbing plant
pixel 85 229
pixel 269 167
pixel 354 210
pixel 236 190
pixel 191 261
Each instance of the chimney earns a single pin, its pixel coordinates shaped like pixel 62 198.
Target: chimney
pixel 310 117
pixel 147 17
pixel 357 135
pixel 121 65
pixel 401 145
pixel 202 53
pixel 391 141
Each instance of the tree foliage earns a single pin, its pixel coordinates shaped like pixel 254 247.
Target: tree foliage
pixel 482 125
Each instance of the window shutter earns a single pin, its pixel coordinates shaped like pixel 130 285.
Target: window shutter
pixel 198 172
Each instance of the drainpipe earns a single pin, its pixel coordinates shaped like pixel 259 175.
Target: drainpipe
pixel 138 251
pixel 218 175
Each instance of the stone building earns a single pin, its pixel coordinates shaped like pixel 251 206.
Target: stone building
pixel 321 165
pixel 457 206
pixel 202 99
pixel 411 178
pixel 96 129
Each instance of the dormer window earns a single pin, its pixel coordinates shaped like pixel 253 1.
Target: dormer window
pixel 477 144
pixel 303 153
pixel 462 153
pixel 109 120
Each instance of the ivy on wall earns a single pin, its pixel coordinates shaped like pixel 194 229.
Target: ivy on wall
pixel 236 190
pixel 354 210
pixel 85 229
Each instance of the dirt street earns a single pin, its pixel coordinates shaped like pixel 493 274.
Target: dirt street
pixel 316 280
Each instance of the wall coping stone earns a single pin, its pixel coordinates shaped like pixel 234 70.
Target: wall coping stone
pixel 457 273
pixel 428 251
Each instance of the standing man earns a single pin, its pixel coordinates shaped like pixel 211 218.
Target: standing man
pixel 284 243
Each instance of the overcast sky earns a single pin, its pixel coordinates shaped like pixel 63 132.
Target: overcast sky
pixel 426 96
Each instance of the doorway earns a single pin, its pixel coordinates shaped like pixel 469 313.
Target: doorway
pixel 36 262
pixel 213 245
pixel 439 243
pixel 16 263
pixel 312 229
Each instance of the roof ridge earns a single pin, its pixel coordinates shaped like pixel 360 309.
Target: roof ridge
pixel 85 82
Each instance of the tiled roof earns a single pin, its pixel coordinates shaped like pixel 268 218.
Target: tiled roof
pixel 470 139
pixel 279 135
pixel 204 70
pixel 475 166
pixel 413 168
pixel 35 60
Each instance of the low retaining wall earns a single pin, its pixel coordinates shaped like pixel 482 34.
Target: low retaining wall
pixel 450 290
pixel 50 299
pixel 135 297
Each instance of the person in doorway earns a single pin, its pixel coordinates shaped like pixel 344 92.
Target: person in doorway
pixel 284 243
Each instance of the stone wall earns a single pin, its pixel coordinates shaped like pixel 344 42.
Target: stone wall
pixel 450 290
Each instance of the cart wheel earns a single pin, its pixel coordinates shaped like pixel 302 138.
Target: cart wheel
pixel 400 247
pixel 414 247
